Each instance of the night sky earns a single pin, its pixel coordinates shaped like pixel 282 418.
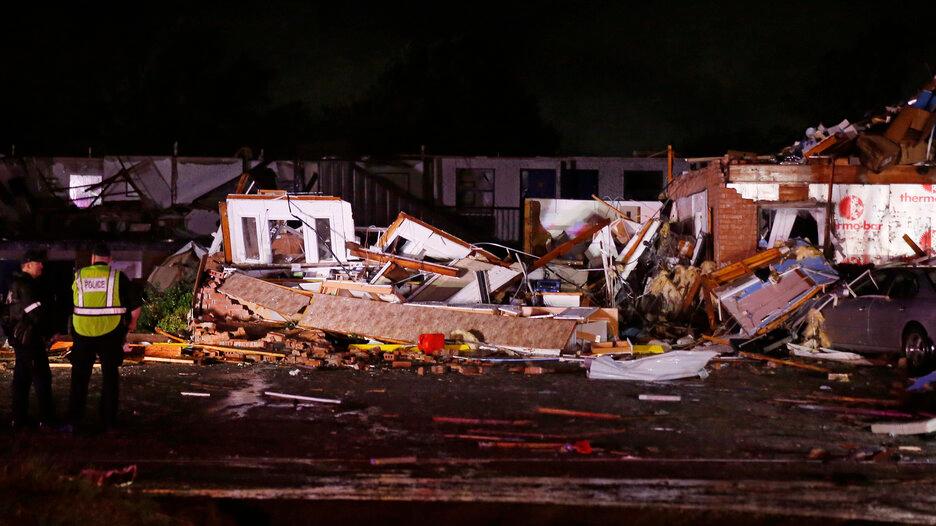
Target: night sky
pixel 600 78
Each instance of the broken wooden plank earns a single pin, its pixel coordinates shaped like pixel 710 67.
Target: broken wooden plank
pixel 914 247
pixel 581 237
pixel 576 414
pixel 778 361
pixel 690 296
pixel 387 321
pixel 408 263
pixel 613 208
pixel 625 259
pixel 225 232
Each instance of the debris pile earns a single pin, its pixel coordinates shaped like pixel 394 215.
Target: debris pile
pixel 896 134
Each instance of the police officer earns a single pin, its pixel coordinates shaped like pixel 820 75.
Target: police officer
pixel 27 326
pixel 105 309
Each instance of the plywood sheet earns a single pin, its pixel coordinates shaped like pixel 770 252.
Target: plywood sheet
pixel 246 289
pixel 406 322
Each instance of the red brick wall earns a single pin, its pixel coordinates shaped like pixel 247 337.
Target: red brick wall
pixel 735 228
pixel 734 220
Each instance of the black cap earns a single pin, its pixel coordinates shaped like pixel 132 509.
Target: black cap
pixel 102 250
pixel 34 254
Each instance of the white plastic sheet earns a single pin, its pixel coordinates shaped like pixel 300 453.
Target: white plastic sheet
pixel 668 366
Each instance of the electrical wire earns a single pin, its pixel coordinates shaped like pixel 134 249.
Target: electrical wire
pixel 318 236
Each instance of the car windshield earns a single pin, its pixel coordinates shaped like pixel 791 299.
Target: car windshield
pixel 931 274
pixel 876 284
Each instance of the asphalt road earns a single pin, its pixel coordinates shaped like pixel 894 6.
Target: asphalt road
pixel 750 443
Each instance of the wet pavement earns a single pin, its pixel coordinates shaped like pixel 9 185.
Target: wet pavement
pixel 750 442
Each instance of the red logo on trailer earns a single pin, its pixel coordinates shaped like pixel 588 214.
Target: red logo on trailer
pixel 851 207
pixel 931 188
pixel 926 241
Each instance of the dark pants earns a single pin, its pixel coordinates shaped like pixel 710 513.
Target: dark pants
pixel 109 349
pixel 32 367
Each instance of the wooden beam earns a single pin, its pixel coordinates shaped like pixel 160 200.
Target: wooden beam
pixel 822 173
pixel 778 361
pixel 584 235
pixel 225 232
pixel 669 164
pixel 612 207
pixel 690 296
pixel 412 264
pixel 640 236
pixel 913 246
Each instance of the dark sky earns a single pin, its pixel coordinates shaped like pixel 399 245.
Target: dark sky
pixel 496 78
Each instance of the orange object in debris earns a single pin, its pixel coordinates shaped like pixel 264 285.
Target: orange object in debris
pixel 58 346
pixel 431 343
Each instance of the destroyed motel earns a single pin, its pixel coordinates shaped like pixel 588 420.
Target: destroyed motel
pixel 637 268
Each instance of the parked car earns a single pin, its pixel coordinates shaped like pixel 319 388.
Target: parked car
pixel 892 310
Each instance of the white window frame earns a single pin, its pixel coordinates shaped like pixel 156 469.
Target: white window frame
pixel 266 246
pixel 336 212
pixel 239 234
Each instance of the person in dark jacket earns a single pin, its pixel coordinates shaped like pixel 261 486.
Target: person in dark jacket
pixel 27 328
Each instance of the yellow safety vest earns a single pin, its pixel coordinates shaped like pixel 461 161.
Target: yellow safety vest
pixel 97 300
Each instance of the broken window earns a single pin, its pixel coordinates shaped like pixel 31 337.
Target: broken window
pixel 323 236
pixel 84 190
pixel 251 243
pixel 474 188
pixel 903 286
pixel 286 242
pixel 777 225
pixel 874 284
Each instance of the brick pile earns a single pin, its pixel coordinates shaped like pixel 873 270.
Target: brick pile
pixel 212 304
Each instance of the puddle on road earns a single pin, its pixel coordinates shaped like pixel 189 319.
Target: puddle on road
pixel 239 401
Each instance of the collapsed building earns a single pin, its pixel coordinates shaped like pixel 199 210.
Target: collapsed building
pixel 858 190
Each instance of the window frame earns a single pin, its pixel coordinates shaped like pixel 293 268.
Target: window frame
pixel 459 192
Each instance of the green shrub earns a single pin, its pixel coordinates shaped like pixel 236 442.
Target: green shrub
pixel 167 310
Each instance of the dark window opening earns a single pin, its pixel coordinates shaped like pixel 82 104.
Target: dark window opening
pixel 579 184
pixel 474 188
pixel 642 185
pixel 539 183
